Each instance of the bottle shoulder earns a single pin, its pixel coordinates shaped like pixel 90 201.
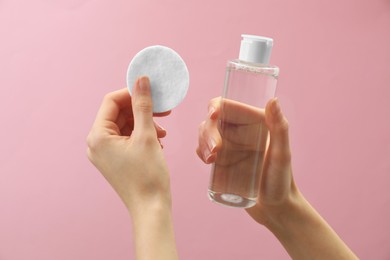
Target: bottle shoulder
pixel 250 67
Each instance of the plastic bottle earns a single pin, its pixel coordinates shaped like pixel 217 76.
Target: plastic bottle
pixel 250 82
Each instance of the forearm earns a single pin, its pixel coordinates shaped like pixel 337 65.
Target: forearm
pixel 305 234
pixel 153 232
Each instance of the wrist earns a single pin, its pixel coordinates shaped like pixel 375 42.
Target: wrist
pixel 287 215
pixel 304 233
pixel 156 202
pixel 153 229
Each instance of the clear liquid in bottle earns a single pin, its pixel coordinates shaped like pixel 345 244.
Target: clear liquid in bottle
pixel 236 173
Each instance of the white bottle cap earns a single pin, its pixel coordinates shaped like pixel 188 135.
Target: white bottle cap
pixel 256 49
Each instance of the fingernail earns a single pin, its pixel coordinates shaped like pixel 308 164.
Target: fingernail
pixel 208 159
pixel 211 111
pixel 212 144
pixel 206 154
pixel 276 107
pixel 159 126
pixel 144 83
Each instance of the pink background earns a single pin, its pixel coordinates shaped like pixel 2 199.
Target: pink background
pixel 59 57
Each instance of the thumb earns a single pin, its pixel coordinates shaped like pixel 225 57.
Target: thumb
pixel 279 148
pixel 142 106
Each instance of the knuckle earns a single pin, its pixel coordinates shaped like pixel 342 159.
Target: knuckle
pixel 147 140
pixel 144 105
pixel 200 155
pixel 201 127
pixel 90 155
pixel 89 139
pixel 94 142
pixel 214 102
pixel 108 96
pixel 203 132
pixel 282 157
pixel 284 125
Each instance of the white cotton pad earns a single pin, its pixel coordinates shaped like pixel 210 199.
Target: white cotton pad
pixel 167 72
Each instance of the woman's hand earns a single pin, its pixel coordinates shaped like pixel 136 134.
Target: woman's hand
pixel 124 146
pixel 280 206
pixel 276 183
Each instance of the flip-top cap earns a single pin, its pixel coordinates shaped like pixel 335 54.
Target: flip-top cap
pixel 256 49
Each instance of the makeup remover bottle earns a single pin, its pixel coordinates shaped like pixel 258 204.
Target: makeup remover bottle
pixel 249 84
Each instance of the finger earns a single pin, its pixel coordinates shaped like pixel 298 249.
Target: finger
pixel 210 159
pixel 202 150
pixel 234 112
pixel 279 149
pixel 162 114
pixel 142 106
pixel 214 108
pixel 209 141
pixel 161 132
pixel 125 119
pixel 112 105
pixel 127 129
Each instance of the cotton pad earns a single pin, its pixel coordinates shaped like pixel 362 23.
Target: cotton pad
pixel 167 72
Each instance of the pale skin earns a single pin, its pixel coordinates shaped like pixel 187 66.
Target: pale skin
pixel 124 144
pixel 280 207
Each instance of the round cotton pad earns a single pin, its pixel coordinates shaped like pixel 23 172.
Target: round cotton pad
pixel 167 72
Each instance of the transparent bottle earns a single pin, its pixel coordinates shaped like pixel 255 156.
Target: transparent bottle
pixel 249 84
